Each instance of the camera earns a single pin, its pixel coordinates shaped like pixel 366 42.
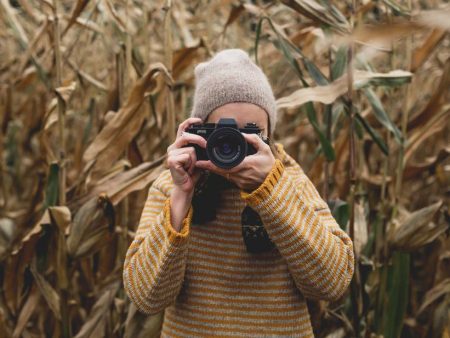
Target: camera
pixel 226 147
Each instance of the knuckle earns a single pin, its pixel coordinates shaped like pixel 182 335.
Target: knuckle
pixel 193 153
pixel 172 149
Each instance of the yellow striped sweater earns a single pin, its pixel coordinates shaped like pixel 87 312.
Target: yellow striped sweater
pixel 207 282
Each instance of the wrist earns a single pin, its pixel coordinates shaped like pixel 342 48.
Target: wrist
pixel 181 196
pixel 180 202
pixel 270 166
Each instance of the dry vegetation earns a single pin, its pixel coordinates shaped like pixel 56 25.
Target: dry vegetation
pixel 92 91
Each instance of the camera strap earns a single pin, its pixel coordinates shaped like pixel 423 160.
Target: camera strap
pixel 207 199
pixel 255 236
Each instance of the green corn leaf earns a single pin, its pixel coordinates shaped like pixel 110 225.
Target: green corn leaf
pixel 340 63
pixel 373 133
pixel 381 114
pixel 341 212
pixel 51 191
pixel 397 295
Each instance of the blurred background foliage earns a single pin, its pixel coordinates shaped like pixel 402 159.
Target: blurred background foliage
pixel 91 93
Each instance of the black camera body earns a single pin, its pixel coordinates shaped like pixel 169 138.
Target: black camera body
pixel 225 146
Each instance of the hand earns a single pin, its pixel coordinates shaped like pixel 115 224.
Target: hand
pixel 181 160
pixel 252 171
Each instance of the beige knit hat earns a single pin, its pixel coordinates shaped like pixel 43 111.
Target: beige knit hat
pixel 231 76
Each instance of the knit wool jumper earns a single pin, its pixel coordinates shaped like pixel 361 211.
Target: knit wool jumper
pixel 210 286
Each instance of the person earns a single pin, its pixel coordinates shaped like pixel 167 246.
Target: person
pixel 201 273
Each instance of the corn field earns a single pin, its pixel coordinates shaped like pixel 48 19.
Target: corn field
pixel 91 94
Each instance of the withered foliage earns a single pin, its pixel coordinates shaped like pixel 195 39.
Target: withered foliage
pixel 91 92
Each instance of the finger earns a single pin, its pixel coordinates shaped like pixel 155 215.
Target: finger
pixel 205 165
pixel 187 138
pixel 186 123
pixel 193 157
pixel 255 141
pixel 243 165
pixel 208 165
pixel 183 150
pixel 186 150
pixel 178 162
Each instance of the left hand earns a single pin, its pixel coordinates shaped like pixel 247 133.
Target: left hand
pixel 252 171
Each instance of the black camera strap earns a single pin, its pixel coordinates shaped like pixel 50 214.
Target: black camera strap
pixel 207 199
pixel 255 236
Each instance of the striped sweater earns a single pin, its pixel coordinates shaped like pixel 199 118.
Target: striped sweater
pixel 207 282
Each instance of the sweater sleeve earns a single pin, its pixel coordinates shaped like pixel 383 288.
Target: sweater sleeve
pixel 318 252
pixel 156 259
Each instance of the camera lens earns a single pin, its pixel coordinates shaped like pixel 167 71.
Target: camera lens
pixel 226 147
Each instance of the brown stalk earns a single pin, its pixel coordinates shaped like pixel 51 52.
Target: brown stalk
pixel 170 105
pixel 400 163
pixel 63 283
pixel 328 112
pixel 125 80
pixel 355 287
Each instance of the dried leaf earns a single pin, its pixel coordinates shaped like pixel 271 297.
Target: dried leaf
pixel 140 325
pixel 434 294
pixel 184 58
pixel 118 133
pixel 413 170
pixel 437 100
pixel 436 123
pixel 99 312
pixel 60 216
pixel 329 93
pixel 114 16
pixel 421 53
pixel 235 12
pixel 15 24
pixel 87 77
pixel 124 183
pixel 7 234
pixel 50 295
pixel 78 8
pixel 26 311
pixel 91 227
pixel 64 93
pixel 327 15
pixel 417 229
pixel 361 235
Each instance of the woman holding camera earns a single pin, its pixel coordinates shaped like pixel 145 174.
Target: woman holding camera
pixel 235 252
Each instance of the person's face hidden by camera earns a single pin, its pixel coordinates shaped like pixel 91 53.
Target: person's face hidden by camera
pixel 243 113
pixel 212 184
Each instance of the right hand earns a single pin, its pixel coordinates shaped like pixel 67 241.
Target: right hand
pixel 181 160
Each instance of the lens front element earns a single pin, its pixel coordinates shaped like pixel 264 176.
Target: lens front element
pixel 226 147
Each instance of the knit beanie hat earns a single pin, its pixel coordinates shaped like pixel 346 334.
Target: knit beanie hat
pixel 231 76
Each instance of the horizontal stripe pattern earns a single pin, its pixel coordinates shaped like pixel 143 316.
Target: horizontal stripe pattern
pixel 207 282
pixel 312 244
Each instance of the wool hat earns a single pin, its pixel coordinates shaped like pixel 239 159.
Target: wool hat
pixel 231 76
